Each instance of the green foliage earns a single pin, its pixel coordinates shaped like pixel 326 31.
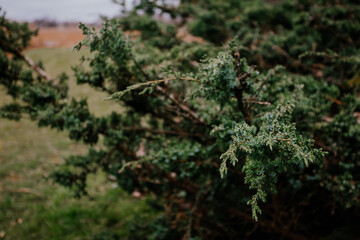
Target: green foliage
pixel 267 102
pixel 210 26
pixel 14 36
pixel 262 167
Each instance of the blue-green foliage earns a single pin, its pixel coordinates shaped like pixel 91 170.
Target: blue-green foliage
pixel 258 112
pixel 268 151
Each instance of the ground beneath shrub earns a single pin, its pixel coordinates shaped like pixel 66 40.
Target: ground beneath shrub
pixel 56 37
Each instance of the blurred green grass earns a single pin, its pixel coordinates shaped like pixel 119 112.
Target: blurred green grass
pixel 34 208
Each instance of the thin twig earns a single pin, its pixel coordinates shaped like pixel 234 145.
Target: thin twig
pixel 183 107
pixel 36 67
pixel 187 234
pixel 128 164
pixel 257 102
pixel 31 64
pixel 160 131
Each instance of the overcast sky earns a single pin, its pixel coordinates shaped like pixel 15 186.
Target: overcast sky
pixel 61 10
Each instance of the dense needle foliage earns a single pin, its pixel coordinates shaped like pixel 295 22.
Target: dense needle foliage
pixel 241 118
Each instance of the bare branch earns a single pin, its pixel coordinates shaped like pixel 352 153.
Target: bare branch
pixel 36 67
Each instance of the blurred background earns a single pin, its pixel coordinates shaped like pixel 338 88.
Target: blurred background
pixel 87 11
pixel 32 207
pixel 58 20
pixel 319 41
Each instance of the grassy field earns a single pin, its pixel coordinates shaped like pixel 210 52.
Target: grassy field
pixel 31 207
